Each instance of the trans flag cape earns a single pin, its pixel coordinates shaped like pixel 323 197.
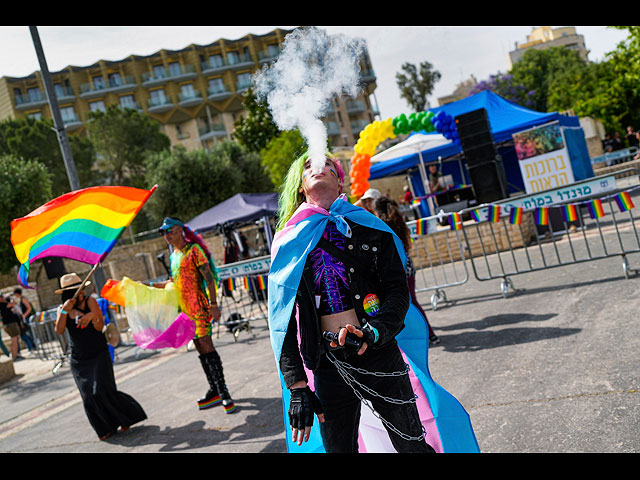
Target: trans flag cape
pixel 446 423
pixel 153 313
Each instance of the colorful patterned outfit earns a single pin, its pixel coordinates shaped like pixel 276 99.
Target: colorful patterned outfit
pixel 189 282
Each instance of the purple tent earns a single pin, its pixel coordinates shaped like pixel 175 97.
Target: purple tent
pixel 242 207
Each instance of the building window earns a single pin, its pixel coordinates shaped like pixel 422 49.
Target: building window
pixel 216 61
pixel 35 115
pixel 233 58
pixel 157 97
pixel 187 91
pixel 68 114
pixel 216 85
pixel 34 94
pixel 174 69
pixel 115 79
pixel 244 80
pixel 98 82
pixel 159 71
pixel 127 101
pixel 97 106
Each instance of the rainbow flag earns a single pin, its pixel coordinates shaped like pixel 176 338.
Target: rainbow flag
pixel 455 221
pixel 416 201
pixel 82 225
pixel 262 282
pixel 475 214
pixel 623 199
pixel 494 213
pixel 542 216
pixel 515 217
pixel 421 226
pixel 247 282
pixel 569 213
pixel 595 208
pixel 230 284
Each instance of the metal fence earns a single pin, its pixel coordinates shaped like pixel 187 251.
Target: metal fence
pixel 49 345
pixel 242 296
pixel 587 221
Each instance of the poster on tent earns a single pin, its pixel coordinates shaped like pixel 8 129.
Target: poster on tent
pixel 543 158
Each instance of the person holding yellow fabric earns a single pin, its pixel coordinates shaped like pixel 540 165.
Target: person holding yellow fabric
pixel 193 274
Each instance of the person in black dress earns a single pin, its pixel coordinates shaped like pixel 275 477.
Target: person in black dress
pixel 107 409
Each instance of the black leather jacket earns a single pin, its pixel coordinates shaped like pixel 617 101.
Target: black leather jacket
pixel 379 271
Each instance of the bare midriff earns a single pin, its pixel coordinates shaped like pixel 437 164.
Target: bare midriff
pixel 335 321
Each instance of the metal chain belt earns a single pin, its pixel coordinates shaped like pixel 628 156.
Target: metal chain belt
pixel 343 367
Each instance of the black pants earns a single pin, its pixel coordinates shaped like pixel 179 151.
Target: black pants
pixel 342 407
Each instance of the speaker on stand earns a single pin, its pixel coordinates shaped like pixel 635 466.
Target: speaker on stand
pixel 54 267
pixel 483 162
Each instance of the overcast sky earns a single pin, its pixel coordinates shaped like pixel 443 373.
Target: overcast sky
pixel 456 52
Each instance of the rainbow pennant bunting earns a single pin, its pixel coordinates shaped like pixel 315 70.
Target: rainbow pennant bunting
pixel 494 213
pixel 475 214
pixel 542 216
pixel 247 282
pixel 595 208
pixel 515 217
pixel 230 283
pixel 262 282
pixel 623 199
pixel 421 226
pixel 569 213
pixel 455 221
pixel 82 225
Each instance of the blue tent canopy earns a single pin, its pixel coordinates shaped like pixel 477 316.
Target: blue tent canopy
pixel 505 118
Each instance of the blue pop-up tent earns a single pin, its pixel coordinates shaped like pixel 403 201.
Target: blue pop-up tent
pixel 505 119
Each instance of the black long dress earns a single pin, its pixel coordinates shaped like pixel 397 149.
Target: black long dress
pixel 92 369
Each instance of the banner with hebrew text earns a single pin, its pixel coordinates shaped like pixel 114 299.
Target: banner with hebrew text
pixel 543 158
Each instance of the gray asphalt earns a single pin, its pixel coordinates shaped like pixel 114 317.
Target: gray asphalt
pixel 551 368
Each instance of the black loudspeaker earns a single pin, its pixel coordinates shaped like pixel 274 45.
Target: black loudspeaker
pixel 481 156
pixel 54 266
pixel 488 180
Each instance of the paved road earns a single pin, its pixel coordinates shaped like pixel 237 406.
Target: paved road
pixel 552 368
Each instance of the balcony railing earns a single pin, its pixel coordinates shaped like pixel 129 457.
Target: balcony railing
pixel 219 93
pixel 31 99
pixel 189 99
pixel 210 131
pixel 159 104
pixel 161 75
pixel 89 90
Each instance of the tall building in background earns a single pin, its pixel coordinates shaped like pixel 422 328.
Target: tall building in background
pixel 546 37
pixel 195 93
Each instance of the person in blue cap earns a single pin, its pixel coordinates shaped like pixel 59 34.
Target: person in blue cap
pixel 193 273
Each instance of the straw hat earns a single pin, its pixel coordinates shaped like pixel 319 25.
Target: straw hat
pixel 70 281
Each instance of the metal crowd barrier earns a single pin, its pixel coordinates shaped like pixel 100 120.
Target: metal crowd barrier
pixel 438 256
pixel 587 221
pixel 242 295
pixel 48 344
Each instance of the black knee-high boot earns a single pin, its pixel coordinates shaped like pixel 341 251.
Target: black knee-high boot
pixel 214 363
pixel 212 397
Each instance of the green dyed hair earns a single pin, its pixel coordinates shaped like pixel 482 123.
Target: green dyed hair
pixel 290 196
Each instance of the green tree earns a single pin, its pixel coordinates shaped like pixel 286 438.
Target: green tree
pixel 190 182
pixel 24 186
pixel 280 153
pixel 542 71
pixel 122 139
pixel 32 139
pixel 256 130
pixel 416 84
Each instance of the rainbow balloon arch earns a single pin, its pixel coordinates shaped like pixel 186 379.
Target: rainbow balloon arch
pixel 378 131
